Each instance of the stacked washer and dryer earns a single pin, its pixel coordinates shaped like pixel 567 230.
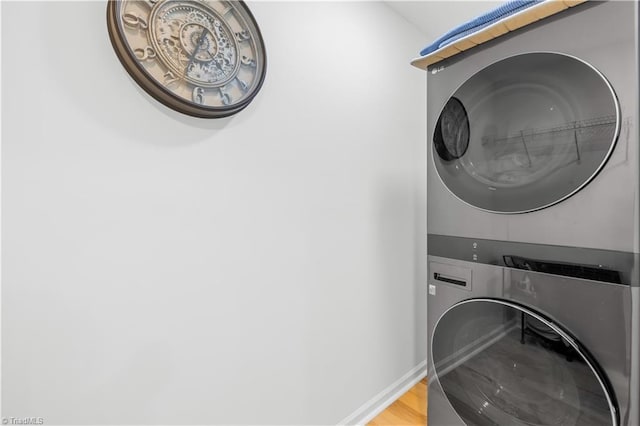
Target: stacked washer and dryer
pixel 533 177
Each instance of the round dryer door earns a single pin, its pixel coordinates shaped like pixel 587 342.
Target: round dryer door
pixel 526 132
pixel 499 363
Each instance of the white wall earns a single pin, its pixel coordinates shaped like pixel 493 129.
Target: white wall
pixel 435 17
pixel 263 268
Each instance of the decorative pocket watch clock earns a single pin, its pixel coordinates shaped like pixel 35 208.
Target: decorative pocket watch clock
pixel 204 58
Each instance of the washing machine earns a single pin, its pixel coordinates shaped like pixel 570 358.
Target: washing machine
pixel 533 231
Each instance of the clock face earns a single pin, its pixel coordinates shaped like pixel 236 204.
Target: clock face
pixel 204 58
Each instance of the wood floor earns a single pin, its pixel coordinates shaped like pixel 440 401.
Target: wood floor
pixel 409 409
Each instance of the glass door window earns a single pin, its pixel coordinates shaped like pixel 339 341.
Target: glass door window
pixel 526 132
pixel 501 364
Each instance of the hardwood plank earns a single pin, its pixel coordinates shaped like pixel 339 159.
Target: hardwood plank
pixel 415 402
pixel 420 391
pixel 391 417
pixel 408 410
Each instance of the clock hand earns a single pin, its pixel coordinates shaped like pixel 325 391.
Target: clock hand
pixel 197 49
pixel 213 59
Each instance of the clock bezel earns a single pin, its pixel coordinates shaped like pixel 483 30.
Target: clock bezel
pixel 156 90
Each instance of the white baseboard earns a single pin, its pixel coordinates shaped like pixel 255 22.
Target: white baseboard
pixel 376 405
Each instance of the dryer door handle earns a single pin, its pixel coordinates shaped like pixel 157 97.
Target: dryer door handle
pixel 440 277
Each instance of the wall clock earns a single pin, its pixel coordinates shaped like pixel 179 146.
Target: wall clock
pixel 204 58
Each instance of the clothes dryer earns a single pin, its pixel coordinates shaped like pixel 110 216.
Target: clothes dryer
pixel 534 134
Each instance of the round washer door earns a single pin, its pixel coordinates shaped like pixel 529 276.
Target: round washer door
pixel 526 132
pixel 499 363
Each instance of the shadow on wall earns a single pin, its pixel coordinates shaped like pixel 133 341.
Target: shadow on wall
pixel 89 71
pixel 397 273
pixel 420 267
